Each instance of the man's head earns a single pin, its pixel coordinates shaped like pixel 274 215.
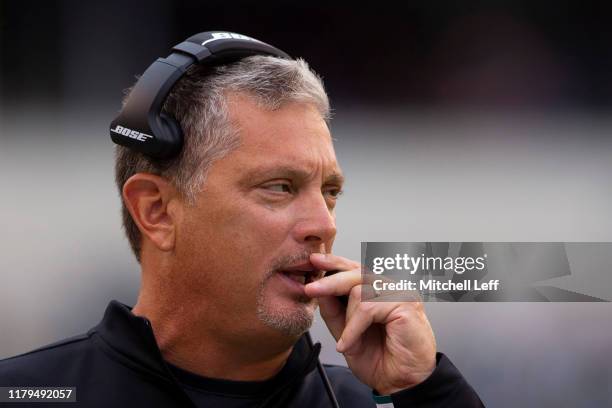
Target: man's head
pixel 251 195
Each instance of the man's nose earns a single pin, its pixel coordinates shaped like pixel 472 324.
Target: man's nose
pixel 316 223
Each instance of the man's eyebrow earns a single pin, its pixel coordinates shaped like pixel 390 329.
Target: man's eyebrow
pixel 282 170
pixel 293 172
pixel 335 178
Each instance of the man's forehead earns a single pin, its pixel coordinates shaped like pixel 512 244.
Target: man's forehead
pixel 258 124
pixel 293 139
pixel 301 151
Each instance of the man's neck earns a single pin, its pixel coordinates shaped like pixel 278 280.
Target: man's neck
pixel 210 352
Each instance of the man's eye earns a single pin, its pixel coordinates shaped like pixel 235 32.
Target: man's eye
pixel 334 192
pixel 279 187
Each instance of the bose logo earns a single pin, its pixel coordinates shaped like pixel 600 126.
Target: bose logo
pixel 227 36
pixel 134 134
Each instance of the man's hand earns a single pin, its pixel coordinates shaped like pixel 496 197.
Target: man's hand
pixel 389 346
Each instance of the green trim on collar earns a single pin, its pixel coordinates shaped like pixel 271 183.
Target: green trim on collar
pixel 381 399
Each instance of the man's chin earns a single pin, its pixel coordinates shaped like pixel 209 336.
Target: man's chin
pixel 290 317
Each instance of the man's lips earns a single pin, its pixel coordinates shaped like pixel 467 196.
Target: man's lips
pixel 303 273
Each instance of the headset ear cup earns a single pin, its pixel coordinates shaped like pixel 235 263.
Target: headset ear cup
pixel 173 134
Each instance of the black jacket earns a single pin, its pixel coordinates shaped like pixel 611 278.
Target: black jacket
pixel 118 364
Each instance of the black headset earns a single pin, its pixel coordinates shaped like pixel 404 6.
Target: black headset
pixel 141 125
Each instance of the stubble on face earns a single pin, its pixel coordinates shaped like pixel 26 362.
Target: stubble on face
pixel 291 320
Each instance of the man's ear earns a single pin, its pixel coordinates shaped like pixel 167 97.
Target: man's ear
pixel 155 207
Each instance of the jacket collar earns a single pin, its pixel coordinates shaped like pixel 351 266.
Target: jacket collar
pixel 131 337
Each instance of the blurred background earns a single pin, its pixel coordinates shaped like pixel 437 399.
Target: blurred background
pixel 455 121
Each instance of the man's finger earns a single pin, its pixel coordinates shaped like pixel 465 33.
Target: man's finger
pixel 333 314
pixel 361 318
pixel 330 262
pixel 335 285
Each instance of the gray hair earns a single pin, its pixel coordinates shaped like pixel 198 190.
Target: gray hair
pixel 198 102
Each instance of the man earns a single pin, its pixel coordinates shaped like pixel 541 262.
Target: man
pixel 233 236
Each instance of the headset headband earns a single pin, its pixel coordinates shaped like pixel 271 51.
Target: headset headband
pixel 141 125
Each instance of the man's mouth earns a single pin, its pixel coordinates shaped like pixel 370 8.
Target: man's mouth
pixel 303 273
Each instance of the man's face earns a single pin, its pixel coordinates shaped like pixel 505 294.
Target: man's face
pixel 244 247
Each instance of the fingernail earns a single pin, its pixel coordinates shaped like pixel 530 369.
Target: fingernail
pixel 318 256
pixel 314 285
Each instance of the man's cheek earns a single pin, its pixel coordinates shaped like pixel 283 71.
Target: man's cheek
pixel 268 223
